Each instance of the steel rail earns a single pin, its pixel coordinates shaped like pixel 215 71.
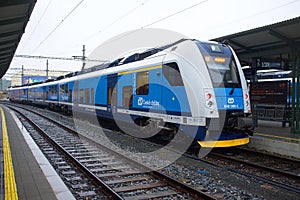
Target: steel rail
pixel 169 180
pixel 253 164
pixel 111 193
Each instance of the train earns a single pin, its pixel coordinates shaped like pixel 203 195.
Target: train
pixel 194 86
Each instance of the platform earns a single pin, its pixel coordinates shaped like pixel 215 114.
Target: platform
pixel 270 136
pixel 26 173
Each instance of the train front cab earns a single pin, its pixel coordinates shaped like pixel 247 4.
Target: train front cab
pixel 231 98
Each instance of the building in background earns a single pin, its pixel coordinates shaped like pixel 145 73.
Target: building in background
pixel 32 76
pixel 4 84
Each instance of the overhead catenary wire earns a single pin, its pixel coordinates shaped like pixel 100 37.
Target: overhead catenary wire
pixel 34 29
pixel 161 19
pixel 58 25
pixel 176 13
pixel 75 58
pixel 270 9
pixel 112 23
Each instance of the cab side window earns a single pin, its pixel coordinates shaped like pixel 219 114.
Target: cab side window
pixel 172 74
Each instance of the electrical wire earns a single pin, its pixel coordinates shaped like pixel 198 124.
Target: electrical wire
pixel 257 14
pixel 34 29
pixel 123 16
pixel 159 20
pixel 128 13
pixel 176 13
pixel 63 20
pixel 111 24
pixel 268 10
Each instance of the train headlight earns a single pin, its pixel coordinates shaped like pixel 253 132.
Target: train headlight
pixel 209 104
pixel 247 106
pixel 247 103
pixel 208 99
pixel 208 96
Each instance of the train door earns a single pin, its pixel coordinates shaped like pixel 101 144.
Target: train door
pixel 174 95
pixel 112 92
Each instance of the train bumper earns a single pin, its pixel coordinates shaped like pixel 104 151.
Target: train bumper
pixel 224 143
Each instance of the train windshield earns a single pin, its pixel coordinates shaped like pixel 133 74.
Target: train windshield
pixel 221 64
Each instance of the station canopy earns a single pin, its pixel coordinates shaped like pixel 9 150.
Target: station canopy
pixel 14 16
pixel 276 41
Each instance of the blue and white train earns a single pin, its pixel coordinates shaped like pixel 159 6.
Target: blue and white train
pixel 188 85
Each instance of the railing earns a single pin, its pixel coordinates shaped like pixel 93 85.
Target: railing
pixel 279 113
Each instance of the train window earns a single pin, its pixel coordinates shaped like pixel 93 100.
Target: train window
pixel 44 95
pixel 61 91
pixel 66 89
pixel 109 96
pixel 87 95
pixel 92 95
pixel 81 93
pixel 76 92
pixel 70 95
pixel 142 83
pixel 112 96
pixel 127 96
pixel 75 96
pixel 53 89
pixel 172 74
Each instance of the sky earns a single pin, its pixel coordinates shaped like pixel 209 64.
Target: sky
pixel 60 28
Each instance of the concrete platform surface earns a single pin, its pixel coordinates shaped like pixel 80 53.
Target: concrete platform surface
pixel 35 178
pixel 272 137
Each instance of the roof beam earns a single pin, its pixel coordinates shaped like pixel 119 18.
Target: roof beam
pixel 13 21
pixel 239 45
pixel 2 56
pixel 8 42
pixel 6 53
pixel 274 50
pixel 6 60
pixel 280 36
pixel 6 48
pixel 15 2
pixel 11 33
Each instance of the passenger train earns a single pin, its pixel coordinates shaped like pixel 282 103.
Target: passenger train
pixel 187 85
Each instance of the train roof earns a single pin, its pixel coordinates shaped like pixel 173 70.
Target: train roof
pixel 273 74
pixel 132 58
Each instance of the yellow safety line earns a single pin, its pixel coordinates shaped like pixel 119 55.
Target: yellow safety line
pixel 9 176
pixel 275 136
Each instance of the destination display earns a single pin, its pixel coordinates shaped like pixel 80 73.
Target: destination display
pixel 271 93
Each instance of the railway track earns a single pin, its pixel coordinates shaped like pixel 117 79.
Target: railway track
pixel 284 166
pixel 92 170
pixel 275 170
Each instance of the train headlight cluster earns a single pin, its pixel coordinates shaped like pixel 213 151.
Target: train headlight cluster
pixel 247 102
pixel 209 100
pixel 209 104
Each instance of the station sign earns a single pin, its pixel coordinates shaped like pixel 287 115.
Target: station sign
pixel 269 92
